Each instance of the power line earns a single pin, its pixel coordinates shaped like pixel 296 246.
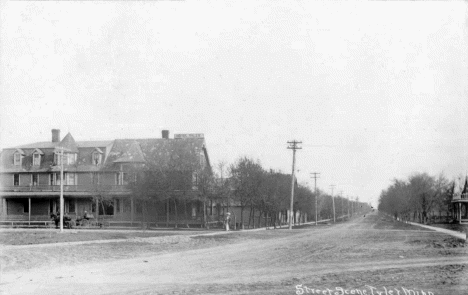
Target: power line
pixel 293 145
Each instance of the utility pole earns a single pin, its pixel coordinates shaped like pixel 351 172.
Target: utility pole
pixel 347 197
pixel 61 149
pixel 332 186
pixel 315 179
pixel 342 205
pixel 293 145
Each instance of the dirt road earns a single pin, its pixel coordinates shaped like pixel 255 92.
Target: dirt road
pixel 365 253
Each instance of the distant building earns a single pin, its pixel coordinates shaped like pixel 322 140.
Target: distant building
pixel 98 177
pixel 460 204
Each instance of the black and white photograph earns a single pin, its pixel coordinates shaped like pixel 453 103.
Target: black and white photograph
pixel 234 147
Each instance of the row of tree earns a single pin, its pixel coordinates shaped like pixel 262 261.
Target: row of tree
pixel 419 197
pixel 244 184
pixel 269 192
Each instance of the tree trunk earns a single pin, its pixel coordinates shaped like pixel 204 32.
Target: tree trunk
pixel 176 215
pixel 185 213
pixel 260 218
pixel 204 213
pixel 167 212
pixel 242 216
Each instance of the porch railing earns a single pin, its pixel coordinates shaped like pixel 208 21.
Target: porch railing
pixel 66 188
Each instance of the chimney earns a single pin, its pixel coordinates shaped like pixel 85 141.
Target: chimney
pixel 55 135
pixel 165 134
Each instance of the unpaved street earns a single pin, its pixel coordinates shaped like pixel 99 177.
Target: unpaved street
pixel 365 253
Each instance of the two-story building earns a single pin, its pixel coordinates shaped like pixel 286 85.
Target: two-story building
pixel 100 177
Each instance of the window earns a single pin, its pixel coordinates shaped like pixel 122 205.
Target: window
pixel 17 159
pixel 121 178
pixel 36 159
pixel 35 179
pixel 68 159
pixel 58 159
pixel 25 206
pixel 202 160
pixel 54 179
pixel 96 158
pixel 138 206
pixel 194 180
pixel 70 206
pixel 117 205
pixel 95 178
pixel 68 178
pixel 16 179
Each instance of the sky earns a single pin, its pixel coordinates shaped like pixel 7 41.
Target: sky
pixel 375 90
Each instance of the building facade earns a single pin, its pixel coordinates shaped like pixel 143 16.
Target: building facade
pixel 100 176
pixel 460 204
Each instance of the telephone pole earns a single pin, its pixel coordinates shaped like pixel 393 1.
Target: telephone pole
pixel 293 145
pixel 315 179
pixel 347 197
pixel 332 186
pixel 342 206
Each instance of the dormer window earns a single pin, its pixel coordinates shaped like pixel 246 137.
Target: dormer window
pixel 68 158
pixel 18 157
pixel 37 157
pixel 96 157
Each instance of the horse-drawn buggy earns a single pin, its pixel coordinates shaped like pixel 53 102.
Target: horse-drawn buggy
pixel 68 222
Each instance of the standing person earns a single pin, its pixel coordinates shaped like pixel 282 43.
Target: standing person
pixel 227 219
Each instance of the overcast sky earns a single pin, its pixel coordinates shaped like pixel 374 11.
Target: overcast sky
pixel 374 90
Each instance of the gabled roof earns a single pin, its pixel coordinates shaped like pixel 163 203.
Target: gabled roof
pixel 68 142
pixel 132 155
pixel 464 193
pixel 98 150
pixel 51 145
pixel 38 151
pixel 20 151
pixel 179 154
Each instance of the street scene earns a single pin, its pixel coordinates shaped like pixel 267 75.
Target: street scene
pixel 371 253
pixel 234 147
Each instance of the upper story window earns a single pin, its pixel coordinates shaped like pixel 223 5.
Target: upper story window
pixel 35 179
pixel 194 180
pixel 68 158
pixel 36 159
pixel 18 157
pixel 16 179
pixel 121 178
pixel 96 158
pixel 95 178
pixel 202 159
pixel 37 154
pixel 69 178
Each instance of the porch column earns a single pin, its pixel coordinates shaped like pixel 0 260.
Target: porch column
pixel 115 207
pixel 29 211
pixel 459 213
pixel 97 209
pixel 4 207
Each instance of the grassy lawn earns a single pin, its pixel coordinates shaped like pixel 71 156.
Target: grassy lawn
pixel 30 237
pixel 455 226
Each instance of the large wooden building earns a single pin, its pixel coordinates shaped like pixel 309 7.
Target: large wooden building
pixel 98 177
